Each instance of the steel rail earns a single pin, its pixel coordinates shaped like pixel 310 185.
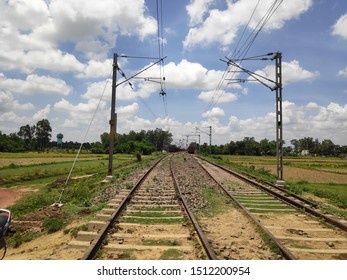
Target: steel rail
pixel 205 243
pixel 282 197
pixel 313 204
pixel 96 244
pixel 286 253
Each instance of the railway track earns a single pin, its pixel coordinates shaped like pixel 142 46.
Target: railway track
pixel 298 229
pixel 169 214
pixel 150 221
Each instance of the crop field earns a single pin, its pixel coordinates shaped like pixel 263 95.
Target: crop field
pixel 321 179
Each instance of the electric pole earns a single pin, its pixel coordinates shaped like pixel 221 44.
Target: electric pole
pixel 278 87
pixel 113 119
pixel 279 133
pixel 209 134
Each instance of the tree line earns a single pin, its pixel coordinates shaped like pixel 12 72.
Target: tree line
pixel 38 138
pixel 28 138
pixel 265 147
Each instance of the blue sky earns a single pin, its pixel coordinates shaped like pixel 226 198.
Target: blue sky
pixel 56 63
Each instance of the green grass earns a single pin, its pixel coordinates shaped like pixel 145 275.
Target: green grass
pixel 216 202
pixel 153 221
pixel 53 224
pixel 334 193
pixel 154 209
pixel 17 239
pixel 72 155
pixel 78 193
pixel 160 242
pixel 157 214
pixel 27 174
pixel 266 206
pixel 171 254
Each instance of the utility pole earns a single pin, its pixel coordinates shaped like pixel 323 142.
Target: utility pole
pixel 113 120
pixel 278 87
pixel 279 133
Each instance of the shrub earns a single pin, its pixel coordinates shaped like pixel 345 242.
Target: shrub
pixel 53 224
pixel 138 157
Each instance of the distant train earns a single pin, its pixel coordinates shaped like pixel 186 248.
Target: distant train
pixel 192 148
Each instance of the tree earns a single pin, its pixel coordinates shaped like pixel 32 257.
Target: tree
pixel 267 148
pixel 43 133
pixel 159 138
pixel 105 140
pixel 27 133
pixel 327 148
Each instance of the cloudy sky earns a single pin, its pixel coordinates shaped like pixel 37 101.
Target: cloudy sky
pixel 56 63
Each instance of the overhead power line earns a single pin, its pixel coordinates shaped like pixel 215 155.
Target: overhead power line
pixel 240 53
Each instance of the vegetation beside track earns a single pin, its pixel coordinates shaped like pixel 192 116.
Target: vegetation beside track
pixel 78 195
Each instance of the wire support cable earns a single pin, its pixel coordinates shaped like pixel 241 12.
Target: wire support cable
pixel 58 202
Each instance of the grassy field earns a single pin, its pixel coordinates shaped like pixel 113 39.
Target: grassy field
pixel 39 168
pixel 44 175
pixel 40 179
pixel 321 179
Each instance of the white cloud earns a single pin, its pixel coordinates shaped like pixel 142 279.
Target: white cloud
pixel 188 75
pixel 8 103
pixel 291 72
pixel 34 84
pixel 310 120
pixel 221 26
pixel 129 110
pixel 215 112
pixel 340 27
pixel 83 114
pixel 197 9
pixel 342 73
pixel 217 97
pixel 30 34
pixel 11 117
pixel 97 69
pixel 28 61
pixel 42 114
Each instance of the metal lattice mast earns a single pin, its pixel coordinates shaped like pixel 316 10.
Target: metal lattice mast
pixel 279 122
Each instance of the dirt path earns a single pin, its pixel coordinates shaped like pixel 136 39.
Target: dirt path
pixel 9 197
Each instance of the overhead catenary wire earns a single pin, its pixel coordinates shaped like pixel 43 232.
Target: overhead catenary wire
pixel 244 49
pixel 219 90
pixel 160 40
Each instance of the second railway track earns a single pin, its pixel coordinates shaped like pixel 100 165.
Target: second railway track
pixel 288 220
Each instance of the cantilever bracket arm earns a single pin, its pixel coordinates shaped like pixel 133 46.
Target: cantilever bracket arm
pixel 252 74
pixel 143 70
